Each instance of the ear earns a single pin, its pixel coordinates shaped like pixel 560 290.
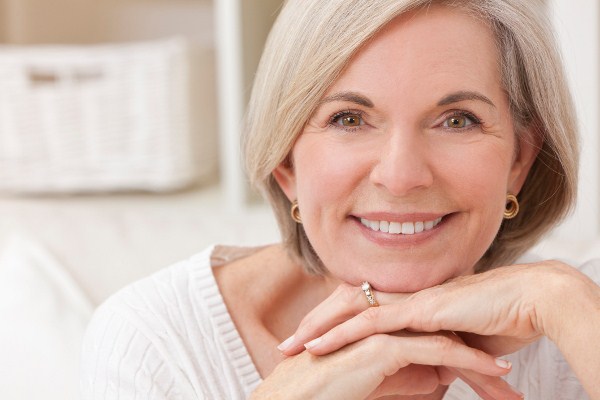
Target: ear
pixel 286 178
pixel 530 143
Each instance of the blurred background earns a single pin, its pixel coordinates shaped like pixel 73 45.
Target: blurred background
pixel 119 154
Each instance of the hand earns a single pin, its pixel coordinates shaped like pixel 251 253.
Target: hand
pixel 402 363
pixel 497 311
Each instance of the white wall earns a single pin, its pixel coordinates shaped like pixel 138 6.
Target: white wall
pixel 578 31
pixel 25 22
pixel 89 21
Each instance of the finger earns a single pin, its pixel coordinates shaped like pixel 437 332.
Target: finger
pixel 496 345
pixel 414 379
pixel 384 319
pixel 446 375
pixel 445 350
pixel 422 379
pixel 482 384
pixel 441 350
pixel 344 303
pixel 421 312
pixel 488 387
pixel 340 306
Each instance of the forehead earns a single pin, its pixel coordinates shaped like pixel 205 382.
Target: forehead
pixel 434 49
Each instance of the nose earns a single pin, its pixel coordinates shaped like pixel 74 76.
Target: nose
pixel 404 164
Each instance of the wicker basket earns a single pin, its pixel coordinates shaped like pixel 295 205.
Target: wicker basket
pixel 95 118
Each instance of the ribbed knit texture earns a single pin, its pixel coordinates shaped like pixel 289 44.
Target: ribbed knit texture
pixel 170 336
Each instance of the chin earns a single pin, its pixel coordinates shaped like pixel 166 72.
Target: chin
pixel 409 281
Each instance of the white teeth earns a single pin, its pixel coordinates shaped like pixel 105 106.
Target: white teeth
pixel 408 228
pixel 419 226
pixel 405 228
pixel 384 226
pixel 374 225
pixel 395 227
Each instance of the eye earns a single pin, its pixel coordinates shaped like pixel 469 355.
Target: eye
pixel 351 120
pixel 347 120
pixel 460 120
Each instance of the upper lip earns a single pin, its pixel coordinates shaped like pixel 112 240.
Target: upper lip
pixel 396 217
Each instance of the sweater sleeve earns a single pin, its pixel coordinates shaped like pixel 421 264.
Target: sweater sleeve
pixel 167 336
pixel 120 361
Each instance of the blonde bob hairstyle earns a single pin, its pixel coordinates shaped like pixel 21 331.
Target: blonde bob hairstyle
pixel 313 40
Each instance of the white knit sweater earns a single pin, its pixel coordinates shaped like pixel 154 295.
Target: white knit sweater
pixel 170 336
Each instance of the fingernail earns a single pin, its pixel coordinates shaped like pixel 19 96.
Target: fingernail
pixel 286 343
pixel 313 343
pixel 503 363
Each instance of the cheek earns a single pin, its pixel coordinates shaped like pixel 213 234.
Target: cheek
pixel 477 173
pixel 477 178
pixel 327 171
pixel 330 177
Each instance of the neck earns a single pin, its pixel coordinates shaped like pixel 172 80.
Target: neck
pixel 293 294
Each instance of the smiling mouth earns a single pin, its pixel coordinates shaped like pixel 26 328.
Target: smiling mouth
pixel 400 228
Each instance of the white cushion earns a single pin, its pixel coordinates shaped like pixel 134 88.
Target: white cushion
pixel 44 315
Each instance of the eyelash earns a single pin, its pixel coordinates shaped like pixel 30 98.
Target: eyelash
pixel 475 121
pixel 342 114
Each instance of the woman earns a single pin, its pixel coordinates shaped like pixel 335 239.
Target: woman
pixel 413 151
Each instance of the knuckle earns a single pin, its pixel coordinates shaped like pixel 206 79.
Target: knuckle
pixel 375 342
pixel 371 315
pixel 346 293
pixel 443 342
pixel 429 383
pixel 444 346
pixel 445 376
pixel 339 334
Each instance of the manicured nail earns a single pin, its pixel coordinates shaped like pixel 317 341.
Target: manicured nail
pixel 313 343
pixel 286 343
pixel 503 363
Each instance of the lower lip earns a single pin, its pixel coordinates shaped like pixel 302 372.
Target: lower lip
pixel 400 240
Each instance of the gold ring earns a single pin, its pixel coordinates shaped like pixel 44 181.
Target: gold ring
pixel 366 287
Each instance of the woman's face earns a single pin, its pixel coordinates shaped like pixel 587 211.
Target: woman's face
pixel 402 172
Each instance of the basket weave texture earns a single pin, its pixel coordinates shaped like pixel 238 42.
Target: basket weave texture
pixel 95 118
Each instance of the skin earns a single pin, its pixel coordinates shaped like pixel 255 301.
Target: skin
pixel 404 162
pixel 521 304
pixel 403 158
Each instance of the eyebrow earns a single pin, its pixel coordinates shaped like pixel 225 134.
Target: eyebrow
pixel 464 96
pixel 351 97
pixel 451 98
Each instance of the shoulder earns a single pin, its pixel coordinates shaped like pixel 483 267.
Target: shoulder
pixel 166 334
pixel 591 268
pixel 163 297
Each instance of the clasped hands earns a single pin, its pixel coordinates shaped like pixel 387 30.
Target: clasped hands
pixel 414 343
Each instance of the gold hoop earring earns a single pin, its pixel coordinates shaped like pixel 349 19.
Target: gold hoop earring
pixel 295 212
pixel 512 206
